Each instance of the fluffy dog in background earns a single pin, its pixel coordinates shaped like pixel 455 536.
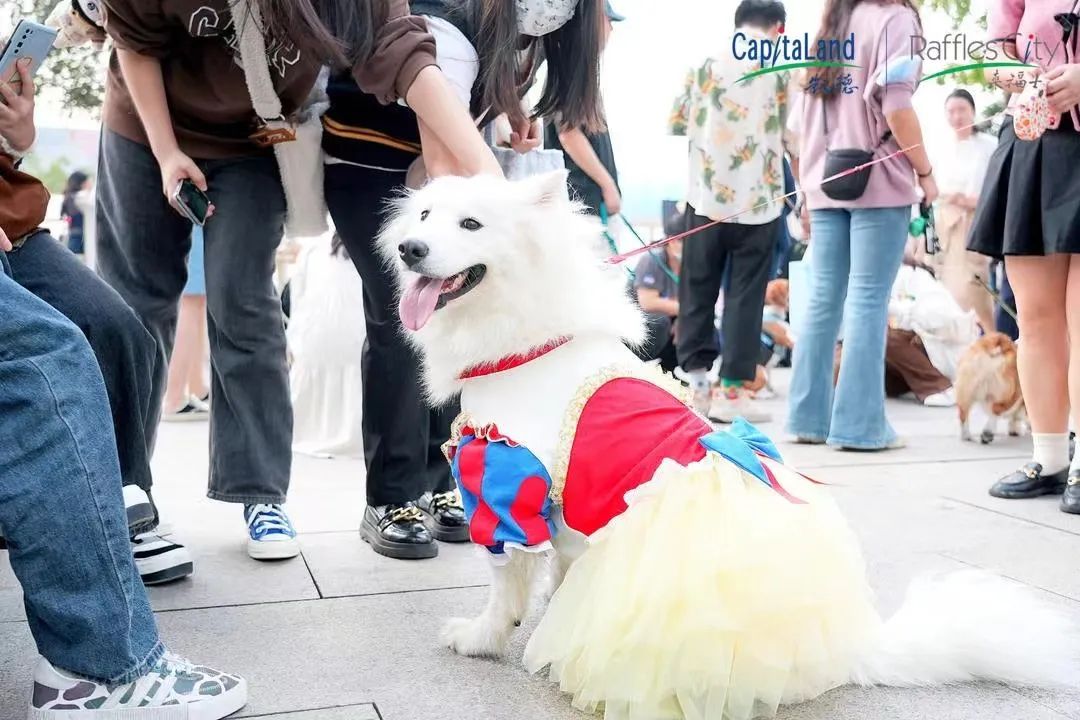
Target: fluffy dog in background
pixel 987 377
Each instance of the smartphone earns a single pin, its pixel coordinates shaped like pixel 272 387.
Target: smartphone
pixel 30 40
pixel 193 202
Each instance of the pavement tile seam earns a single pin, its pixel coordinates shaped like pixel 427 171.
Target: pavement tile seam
pixel 1051 708
pixel 975 506
pixel 307 711
pixel 904 461
pixel 1040 588
pixel 302 600
pixel 314 581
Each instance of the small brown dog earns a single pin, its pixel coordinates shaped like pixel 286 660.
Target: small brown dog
pixel 987 376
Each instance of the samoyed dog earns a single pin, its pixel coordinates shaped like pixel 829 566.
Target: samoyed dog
pixel 692 573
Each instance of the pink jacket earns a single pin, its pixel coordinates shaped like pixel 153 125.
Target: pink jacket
pixel 1038 36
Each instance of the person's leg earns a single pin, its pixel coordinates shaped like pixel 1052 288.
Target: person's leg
pixel 251 415
pixel 811 393
pixel 440 500
pixel 1005 322
pixel 141 246
pixel 878 237
pixel 396 421
pixel 1070 502
pixel 699 288
pixel 750 252
pixel 185 366
pixel 1041 285
pixel 906 358
pixel 60 501
pixel 659 336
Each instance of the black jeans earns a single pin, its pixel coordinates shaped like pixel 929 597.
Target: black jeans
pixel 142 252
pixel 402 436
pixel 748 250
pixel 124 349
pixel 660 344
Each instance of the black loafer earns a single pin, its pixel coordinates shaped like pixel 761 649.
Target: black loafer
pixel 398 531
pixel 1070 501
pixel 448 522
pixel 1029 482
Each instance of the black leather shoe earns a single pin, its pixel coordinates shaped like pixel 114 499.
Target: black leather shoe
pixel 447 515
pixel 1029 482
pixel 1070 501
pixel 398 531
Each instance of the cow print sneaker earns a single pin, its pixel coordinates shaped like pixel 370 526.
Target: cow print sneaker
pixel 174 689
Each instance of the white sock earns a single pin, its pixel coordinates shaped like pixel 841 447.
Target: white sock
pixel 699 380
pixel 1051 450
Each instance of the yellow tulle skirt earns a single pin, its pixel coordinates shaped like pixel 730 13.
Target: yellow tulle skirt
pixel 711 598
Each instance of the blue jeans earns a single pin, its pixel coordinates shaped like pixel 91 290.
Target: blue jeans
pixel 61 508
pixel 856 254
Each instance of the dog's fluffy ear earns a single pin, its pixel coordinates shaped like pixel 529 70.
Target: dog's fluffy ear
pixel 547 190
pixel 393 229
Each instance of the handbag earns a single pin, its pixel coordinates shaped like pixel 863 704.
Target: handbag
pixel 297 142
pixel 24 201
pixel 849 187
pixel 517 166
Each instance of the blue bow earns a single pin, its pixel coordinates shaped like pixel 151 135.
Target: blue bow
pixel 742 445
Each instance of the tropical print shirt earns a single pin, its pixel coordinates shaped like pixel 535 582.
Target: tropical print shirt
pixel 736 133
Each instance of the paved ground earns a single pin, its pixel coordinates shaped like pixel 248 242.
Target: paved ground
pixel 342 634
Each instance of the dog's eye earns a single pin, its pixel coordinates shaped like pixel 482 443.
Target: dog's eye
pixel 423 215
pixel 471 224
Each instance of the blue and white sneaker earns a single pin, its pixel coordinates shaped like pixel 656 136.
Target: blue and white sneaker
pixel 270 534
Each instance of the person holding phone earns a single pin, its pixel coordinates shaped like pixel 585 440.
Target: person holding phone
pixel 124 349
pixel 1030 217
pixel 62 510
pixel 178 110
pixel 488 50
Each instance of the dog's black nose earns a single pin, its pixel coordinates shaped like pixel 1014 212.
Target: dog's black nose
pixel 413 251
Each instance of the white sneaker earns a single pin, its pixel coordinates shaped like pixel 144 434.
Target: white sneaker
pixel 270 533
pixel 944 399
pixel 173 690
pixel 732 403
pixel 160 560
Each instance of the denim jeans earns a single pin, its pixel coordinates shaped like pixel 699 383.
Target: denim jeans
pixel 142 247
pixel 125 350
pixel 60 502
pixel 856 254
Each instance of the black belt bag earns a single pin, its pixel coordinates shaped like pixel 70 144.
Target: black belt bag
pixel 850 187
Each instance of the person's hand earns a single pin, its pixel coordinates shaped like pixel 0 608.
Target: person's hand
pixel 1063 87
pixel 526 136
pixel 175 168
pixel 929 188
pixel 17 109
pixel 5 244
pixel 612 198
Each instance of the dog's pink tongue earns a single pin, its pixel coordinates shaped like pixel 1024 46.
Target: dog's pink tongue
pixel 419 301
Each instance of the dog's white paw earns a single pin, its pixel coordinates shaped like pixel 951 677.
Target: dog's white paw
pixel 473 637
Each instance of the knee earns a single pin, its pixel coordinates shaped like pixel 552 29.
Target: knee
pixel 1041 317
pixel 115 331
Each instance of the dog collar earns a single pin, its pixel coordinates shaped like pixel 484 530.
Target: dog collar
pixel 512 361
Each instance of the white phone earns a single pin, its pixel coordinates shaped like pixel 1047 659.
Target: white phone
pixel 30 40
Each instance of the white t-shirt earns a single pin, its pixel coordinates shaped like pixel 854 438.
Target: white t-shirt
pixel 963 164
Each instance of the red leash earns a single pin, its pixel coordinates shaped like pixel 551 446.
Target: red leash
pixel 615 259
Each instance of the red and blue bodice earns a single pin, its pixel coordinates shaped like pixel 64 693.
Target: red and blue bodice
pixel 625 429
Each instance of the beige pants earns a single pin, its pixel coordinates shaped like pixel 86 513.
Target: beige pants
pixel 956 266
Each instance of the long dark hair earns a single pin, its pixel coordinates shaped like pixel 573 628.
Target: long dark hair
pixel 339 33
pixel 74 185
pixel 508 63
pixel 834 24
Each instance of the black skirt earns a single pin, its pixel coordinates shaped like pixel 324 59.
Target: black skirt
pixel 1030 202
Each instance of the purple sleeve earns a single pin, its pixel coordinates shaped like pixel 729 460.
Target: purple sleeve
pixel 902 23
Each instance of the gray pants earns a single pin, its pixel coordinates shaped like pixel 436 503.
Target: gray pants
pixel 143 246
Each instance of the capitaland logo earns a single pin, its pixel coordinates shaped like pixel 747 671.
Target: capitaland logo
pixel 792 52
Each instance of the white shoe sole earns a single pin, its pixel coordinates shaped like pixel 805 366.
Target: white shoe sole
pixel 279 550
pixel 215 708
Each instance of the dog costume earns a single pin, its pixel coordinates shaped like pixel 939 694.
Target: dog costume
pixel 657 493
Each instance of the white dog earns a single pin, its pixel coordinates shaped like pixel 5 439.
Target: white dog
pixel 567 443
